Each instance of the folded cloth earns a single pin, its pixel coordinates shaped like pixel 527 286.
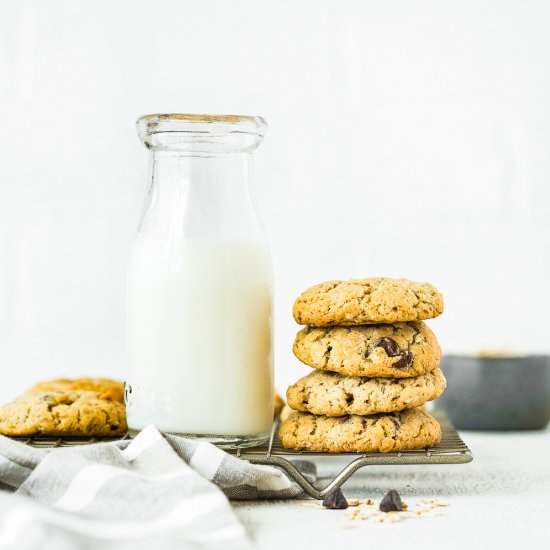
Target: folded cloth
pixel 127 494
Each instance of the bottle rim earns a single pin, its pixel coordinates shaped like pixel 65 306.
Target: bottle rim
pixel 201 132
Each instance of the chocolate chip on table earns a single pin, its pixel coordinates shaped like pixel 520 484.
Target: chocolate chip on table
pixel 388 345
pixel 335 500
pixel 405 361
pixel 391 502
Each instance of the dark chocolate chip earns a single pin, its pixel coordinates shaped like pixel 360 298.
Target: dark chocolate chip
pixel 335 500
pixel 388 345
pixel 396 424
pixel 405 362
pixel 391 502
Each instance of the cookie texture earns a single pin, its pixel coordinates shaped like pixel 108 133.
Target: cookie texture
pixel 331 394
pixel 367 301
pixel 111 388
pixel 401 350
pixel 72 413
pixel 379 433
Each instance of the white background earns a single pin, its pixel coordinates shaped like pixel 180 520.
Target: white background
pixel 406 139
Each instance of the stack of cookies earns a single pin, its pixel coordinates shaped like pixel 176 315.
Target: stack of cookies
pixel 376 365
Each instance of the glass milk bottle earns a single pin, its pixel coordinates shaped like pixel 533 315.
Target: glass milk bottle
pixel 199 299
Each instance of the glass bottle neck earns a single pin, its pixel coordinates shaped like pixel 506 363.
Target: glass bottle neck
pixel 201 196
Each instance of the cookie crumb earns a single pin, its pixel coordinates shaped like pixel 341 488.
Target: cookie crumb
pixel 309 504
pixel 422 508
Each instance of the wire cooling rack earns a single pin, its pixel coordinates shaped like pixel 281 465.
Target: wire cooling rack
pixel 451 450
pixel 45 442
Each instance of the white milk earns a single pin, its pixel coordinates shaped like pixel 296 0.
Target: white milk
pixel 199 335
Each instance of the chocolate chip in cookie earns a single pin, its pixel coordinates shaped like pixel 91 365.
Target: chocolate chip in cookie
pixel 405 362
pixel 396 424
pixel 389 345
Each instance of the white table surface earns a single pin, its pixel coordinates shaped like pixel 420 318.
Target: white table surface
pixel 500 500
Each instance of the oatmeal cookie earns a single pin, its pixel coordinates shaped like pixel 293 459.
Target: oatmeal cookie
pixel 400 350
pixel 63 413
pixel 111 388
pixel 378 433
pixel 331 394
pixel 367 301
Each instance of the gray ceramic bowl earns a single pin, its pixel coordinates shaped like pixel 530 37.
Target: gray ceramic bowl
pixel 497 393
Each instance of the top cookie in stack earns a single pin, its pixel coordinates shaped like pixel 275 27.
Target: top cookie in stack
pixel 376 362
pixel 367 302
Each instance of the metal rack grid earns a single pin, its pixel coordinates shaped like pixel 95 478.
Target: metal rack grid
pixel 46 442
pixel 451 450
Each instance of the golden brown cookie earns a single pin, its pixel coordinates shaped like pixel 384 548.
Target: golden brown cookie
pixel 112 388
pixel 278 404
pixel 367 301
pixel 285 413
pixel 378 433
pixel 72 413
pixel 331 394
pixel 401 350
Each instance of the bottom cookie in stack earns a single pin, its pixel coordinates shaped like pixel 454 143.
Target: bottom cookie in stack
pixel 376 433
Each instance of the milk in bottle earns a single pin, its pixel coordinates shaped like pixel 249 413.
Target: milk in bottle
pixel 199 289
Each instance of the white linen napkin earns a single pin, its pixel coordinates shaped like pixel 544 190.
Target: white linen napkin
pixel 127 494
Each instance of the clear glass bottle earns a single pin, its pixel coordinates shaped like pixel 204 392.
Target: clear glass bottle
pixel 199 301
